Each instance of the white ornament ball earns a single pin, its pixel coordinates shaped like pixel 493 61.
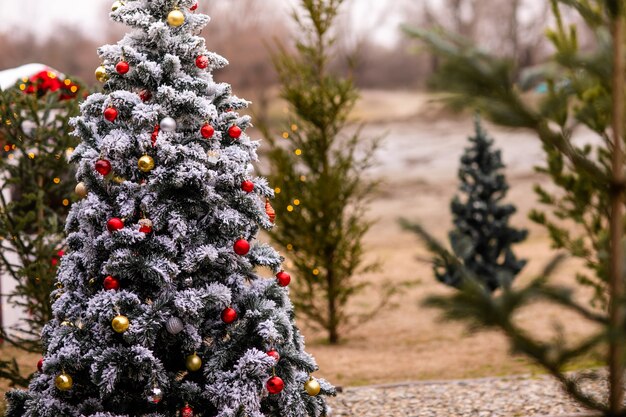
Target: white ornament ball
pixel 168 125
pixel 174 325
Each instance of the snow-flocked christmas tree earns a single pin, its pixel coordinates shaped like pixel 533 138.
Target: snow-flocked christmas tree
pixel 161 310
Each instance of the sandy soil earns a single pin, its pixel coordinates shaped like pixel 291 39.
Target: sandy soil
pixel 409 342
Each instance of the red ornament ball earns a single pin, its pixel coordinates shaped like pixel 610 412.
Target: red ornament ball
pixel 145 226
pixel 275 385
pixel 145 95
pixel 241 247
pixel 186 411
pixel 247 186
pixel 274 354
pixel 122 67
pixel 235 132
pixel 283 278
pixel 207 131
pixel 103 166
pixel 110 114
pixel 40 365
pixel 60 253
pixel 54 261
pixel 194 7
pixel 155 134
pixel 115 224
pixel 202 62
pixel 111 283
pixel 229 315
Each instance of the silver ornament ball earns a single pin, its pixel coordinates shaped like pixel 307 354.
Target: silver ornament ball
pixel 156 395
pixel 174 325
pixel 168 125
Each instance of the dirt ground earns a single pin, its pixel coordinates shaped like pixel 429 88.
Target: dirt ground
pixel 409 342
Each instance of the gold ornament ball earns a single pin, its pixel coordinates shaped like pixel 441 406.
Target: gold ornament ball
pixel 176 18
pixel 120 324
pixel 101 74
pixel 312 387
pixel 146 163
pixel 193 362
pixel 116 5
pixel 63 382
pixel 81 190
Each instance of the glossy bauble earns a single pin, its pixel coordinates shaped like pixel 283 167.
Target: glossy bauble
pixel 168 125
pixel 103 167
pixel 155 134
pixel 156 395
pixel 116 5
pixel 241 247
pixel 229 315
pixel 269 210
pixel 145 95
pixel 176 18
pixel 115 224
pixel 283 278
pixel 207 131
pixel 111 283
pixel 247 186
pixel 40 365
pixel 312 387
pixel 146 163
pixel 145 226
pixel 122 67
pixel 111 114
pixel 193 363
pixel 202 62
pixel 194 7
pixel 186 411
pixel 275 385
pixel 274 354
pixel 63 382
pixel 174 325
pixel 235 132
pixel 120 323
pixel 101 74
pixel 81 190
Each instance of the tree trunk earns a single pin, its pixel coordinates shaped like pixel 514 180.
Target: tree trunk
pixel 616 348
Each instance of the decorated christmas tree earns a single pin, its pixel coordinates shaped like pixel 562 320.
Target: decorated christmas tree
pixel 162 307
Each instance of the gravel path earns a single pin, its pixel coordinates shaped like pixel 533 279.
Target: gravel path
pixel 492 397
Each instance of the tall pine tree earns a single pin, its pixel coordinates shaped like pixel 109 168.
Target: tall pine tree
pixel 161 307
pixel 320 171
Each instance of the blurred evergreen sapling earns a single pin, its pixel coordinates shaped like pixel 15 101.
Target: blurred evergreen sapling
pixel 36 189
pixel 482 239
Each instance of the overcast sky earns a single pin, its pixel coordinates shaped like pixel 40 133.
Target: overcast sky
pixel 89 15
